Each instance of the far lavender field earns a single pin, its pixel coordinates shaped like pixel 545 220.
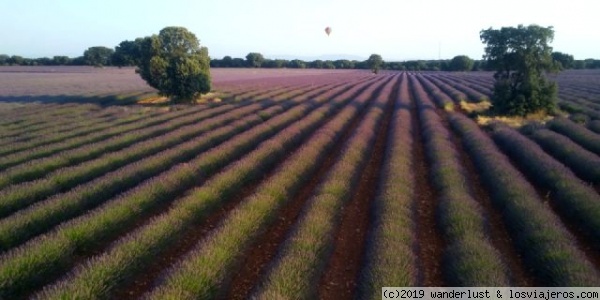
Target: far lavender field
pixel 378 172
pixel 23 83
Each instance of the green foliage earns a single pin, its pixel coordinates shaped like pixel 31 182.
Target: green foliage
pixel 317 64
pixel 520 57
pixel 174 63
pixel 127 53
pixel 296 64
pixel 274 63
pixel 343 64
pixel 563 60
pixel 61 60
pixel 254 59
pixel 4 59
pixel 461 63
pixel 375 62
pixel 98 56
pixel 16 60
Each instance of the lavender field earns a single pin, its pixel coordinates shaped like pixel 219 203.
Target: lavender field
pixel 296 184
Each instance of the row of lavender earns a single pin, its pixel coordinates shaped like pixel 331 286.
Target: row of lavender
pixel 557 160
pixel 157 169
pixel 128 254
pixel 194 155
pixel 547 238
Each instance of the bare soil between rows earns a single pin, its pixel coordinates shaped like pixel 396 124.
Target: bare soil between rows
pixel 339 280
pixel 255 261
pixel 430 245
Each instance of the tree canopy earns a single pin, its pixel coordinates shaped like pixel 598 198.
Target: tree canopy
pixel 98 56
pixel 461 63
pixel 127 53
pixel 254 59
pixel 174 63
pixel 563 60
pixel 375 62
pixel 520 57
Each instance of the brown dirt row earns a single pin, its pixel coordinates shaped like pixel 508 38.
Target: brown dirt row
pixel 429 239
pixel 496 228
pixel 255 260
pixel 339 280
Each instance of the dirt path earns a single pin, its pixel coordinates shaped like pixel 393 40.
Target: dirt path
pixel 429 239
pixel 255 260
pixel 339 281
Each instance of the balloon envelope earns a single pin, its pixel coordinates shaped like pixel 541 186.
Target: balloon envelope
pixel 328 30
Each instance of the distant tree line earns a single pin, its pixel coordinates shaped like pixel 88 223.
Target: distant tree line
pixel 127 53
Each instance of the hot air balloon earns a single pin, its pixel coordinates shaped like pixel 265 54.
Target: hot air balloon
pixel 328 30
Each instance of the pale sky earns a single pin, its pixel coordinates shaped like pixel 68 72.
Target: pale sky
pixel 395 29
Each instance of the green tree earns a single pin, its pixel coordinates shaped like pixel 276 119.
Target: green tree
pixel 317 64
pixel 328 64
pixel 127 53
pixel 16 60
pixel 591 63
pixel 227 62
pixel 98 56
pixel 254 59
pixel 343 64
pixel 375 62
pixel 274 63
pixel 520 56
pixel 174 63
pixel 296 64
pixel 563 60
pixel 461 63
pixel 4 59
pixel 61 60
